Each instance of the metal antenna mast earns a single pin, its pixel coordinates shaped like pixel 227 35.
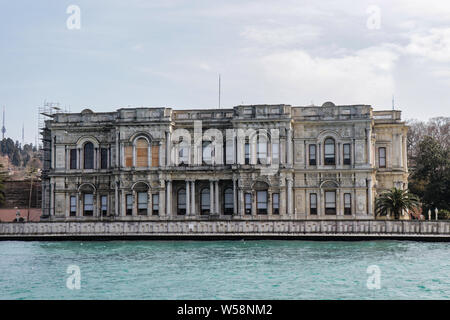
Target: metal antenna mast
pixel 219 90
pixel 392 102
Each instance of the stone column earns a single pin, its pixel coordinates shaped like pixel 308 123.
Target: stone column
pixel 168 149
pixel 254 203
pixel 169 198
pixel 289 196
pixel 235 200
pixel 319 154
pixel 193 206
pixel 370 201
pixel 52 198
pixel 124 203
pixel 283 209
pixel 369 146
pixel 78 213
pixel 211 196
pixel 149 202
pixel 117 164
pixel 339 208
pixel 135 203
pixel 241 202
pixel 216 201
pixel 162 199
pixel 339 158
pixel 97 211
pixel 79 158
pixel 116 198
pixel 289 146
pixel 320 203
pixel 405 158
pixel 188 199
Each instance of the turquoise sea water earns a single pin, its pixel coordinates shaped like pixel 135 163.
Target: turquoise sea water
pixel 224 270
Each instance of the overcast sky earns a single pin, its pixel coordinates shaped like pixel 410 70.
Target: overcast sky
pixel 170 52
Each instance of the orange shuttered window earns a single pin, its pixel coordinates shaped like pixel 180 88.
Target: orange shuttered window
pixel 155 156
pixel 128 156
pixel 142 153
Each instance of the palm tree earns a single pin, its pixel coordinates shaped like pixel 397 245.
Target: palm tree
pixel 395 201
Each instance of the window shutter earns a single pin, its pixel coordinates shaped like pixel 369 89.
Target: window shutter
pixel 155 156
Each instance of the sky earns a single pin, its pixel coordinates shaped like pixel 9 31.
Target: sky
pixel 169 53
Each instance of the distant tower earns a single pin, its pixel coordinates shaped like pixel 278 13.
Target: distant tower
pixel 4 128
pixel 23 134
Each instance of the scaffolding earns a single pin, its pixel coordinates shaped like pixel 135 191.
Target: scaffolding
pixel 46 112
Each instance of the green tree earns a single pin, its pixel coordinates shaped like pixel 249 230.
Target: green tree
pixel 430 178
pixel 394 201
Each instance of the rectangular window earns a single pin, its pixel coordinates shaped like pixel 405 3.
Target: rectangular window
pixel 262 151
pixel 330 202
pixel 248 203
pixel 312 203
pixel 229 151
pixel 205 202
pixel 207 152
pixel 382 157
pixel 129 205
pixel 347 203
pixel 104 158
pixel 261 202
pixel 228 202
pixel 183 154
pixel 142 203
pixel 155 156
pixel 73 206
pixel 347 159
pixel 312 155
pixel 88 204
pixel 155 204
pixel 247 153
pixel 73 159
pixel 275 203
pixel 104 201
pixel 275 153
pixel 128 156
pixel 329 152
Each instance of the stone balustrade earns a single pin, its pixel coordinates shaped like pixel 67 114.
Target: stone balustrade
pixel 332 229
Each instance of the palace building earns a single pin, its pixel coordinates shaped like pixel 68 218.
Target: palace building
pixel 255 162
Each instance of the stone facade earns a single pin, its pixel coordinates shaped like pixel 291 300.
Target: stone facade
pixel 254 162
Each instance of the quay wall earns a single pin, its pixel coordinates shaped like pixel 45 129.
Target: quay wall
pixel 235 229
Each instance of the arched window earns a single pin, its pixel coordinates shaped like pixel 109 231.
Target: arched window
pixel 205 202
pixel 329 152
pixel 207 152
pixel 181 202
pixel 228 201
pixel 89 156
pixel 262 149
pixel 142 153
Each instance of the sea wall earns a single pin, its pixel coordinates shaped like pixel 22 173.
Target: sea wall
pixel 240 229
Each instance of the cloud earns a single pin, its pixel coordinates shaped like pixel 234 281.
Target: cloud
pixel 281 35
pixel 433 45
pixel 360 77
